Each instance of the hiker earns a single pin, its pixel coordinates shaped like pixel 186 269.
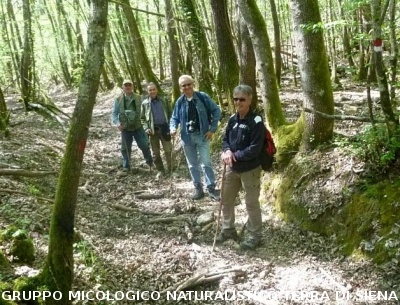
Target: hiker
pixel 242 143
pixel 126 117
pixel 198 116
pixel 156 112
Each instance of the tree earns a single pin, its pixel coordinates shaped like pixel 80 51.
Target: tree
pixel 140 51
pixel 59 267
pixel 174 51
pixel 228 63
pixel 277 40
pixel 247 64
pixel 265 65
pixel 198 44
pixel 392 122
pixel 27 59
pixel 314 71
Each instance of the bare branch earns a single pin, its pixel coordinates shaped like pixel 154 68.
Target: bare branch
pixel 342 117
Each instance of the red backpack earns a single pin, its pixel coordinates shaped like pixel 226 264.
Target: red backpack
pixel 267 152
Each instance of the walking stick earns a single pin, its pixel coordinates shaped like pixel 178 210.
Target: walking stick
pixel 220 206
pixel 172 154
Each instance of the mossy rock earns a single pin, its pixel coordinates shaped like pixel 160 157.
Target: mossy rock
pixel 5 286
pixel 363 219
pixel 4 263
pixel 6 235
pixel 23 250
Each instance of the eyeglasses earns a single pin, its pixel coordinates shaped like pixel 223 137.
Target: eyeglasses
pixel 128 85
pixel 186 85
pixel 239 99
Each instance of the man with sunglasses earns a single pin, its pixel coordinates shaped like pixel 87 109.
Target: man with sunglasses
pixel 242 144
pixel 126 117
pixel 198 116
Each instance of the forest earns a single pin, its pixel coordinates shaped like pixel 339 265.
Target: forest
pixel 75 231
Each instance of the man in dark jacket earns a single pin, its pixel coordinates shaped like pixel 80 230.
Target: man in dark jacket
pixel 242 143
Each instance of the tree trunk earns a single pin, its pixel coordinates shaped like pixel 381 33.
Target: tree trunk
pixel 140 51
pixel 62 58
pixel 392 121
pixel 314 71
pixel 174 51
pixel 27 85
pixel 265 66
pixel 200 45
pixel 346 38
pixel 247 61
pixel 228 63
pixel 58 271
pixel 394 52
pixel 277 40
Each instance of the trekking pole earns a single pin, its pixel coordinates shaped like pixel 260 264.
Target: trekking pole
pixel 220 206
pixel 172 154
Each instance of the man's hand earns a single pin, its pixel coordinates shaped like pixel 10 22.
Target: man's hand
pixel 120 128
pixel 209 135
pixel 228 157
pixel 149 132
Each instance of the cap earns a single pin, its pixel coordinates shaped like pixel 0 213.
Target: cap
pixel 127 81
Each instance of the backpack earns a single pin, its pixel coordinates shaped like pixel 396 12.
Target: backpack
pixel 267 152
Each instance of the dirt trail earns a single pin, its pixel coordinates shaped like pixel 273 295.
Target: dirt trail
pixel 121 251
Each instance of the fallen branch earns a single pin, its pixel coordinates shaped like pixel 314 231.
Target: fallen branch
pixel 205 278
pixel 25 173
pixel 207 227
pixel 8 191
pixel 136 210
pixel 342 117
pixel 170 219
pixel 149 196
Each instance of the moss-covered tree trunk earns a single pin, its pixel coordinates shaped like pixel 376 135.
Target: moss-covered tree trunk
pixel 174 51
pixel 140 51
pixel 265 64
pixel 27 59
pixel 392 121
pixel 277 42
pixel 247 61
pixel 314 71
pixel 228 63
pixel 199 45
pixel 58 273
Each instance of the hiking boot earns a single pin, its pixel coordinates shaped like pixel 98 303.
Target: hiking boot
pixel 224 235
pixel 198 193
pixel 214 194
pixel 250 243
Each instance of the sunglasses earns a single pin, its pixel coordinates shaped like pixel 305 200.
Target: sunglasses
pixel 186 85
pixel 128 85
pixel 239 99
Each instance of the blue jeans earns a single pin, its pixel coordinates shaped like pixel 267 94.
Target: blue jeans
pixel 197 153
pixel 142 142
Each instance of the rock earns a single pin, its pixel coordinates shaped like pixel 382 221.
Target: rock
pixel 205 218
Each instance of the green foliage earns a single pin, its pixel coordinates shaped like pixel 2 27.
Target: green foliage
pixel 87 254
pixel 313 27
pixel 5 287
pixel 7 234
pixel 374 147
pixel 3 261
